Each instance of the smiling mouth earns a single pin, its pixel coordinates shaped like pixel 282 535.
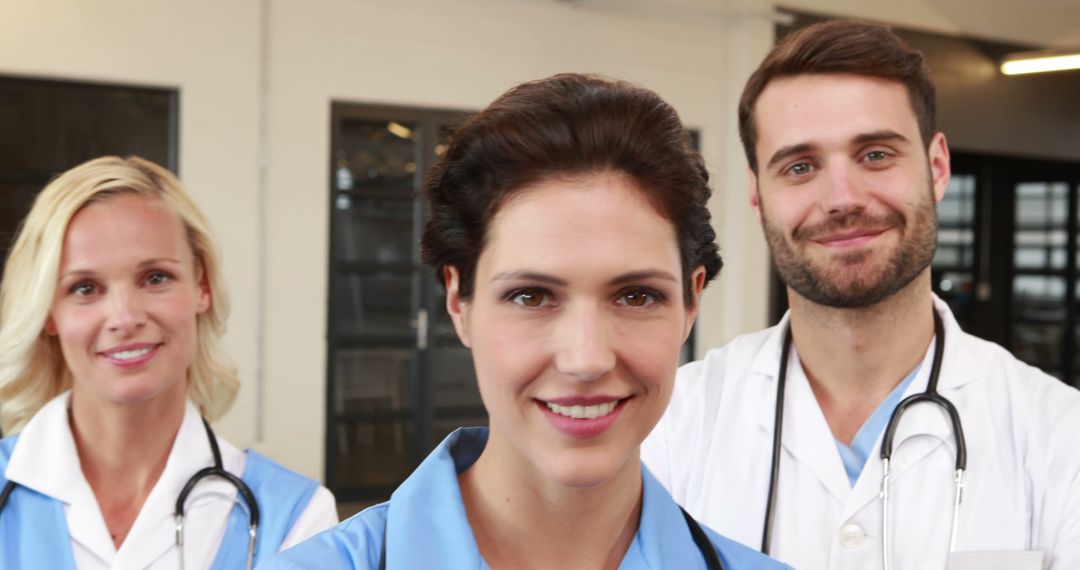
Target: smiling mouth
pixel 850 237
pixel 130 354
pixel 584 412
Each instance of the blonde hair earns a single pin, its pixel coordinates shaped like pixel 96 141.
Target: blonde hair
pixel 32 368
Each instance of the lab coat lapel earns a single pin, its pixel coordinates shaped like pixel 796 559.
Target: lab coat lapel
pixel 924 427
pixel 806 436
pixel 58 474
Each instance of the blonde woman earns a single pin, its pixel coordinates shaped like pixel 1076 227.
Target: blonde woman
pixel 111 312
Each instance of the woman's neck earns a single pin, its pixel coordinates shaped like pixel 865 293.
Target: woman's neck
pixel 123 450
pixel 521 520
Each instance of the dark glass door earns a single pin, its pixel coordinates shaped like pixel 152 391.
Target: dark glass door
pixel 398 379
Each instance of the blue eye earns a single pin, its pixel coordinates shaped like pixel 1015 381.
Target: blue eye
pixel 799 168
pixel 158 278
pixel 83 289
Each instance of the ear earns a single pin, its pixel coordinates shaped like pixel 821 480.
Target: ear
pixel 457 307
pixel 697 285
pixel 755 193
pixel 940 169
pixel 50 326
pixel 203 302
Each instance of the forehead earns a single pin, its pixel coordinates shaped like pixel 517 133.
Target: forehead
pixel 601 222
pixel 830 108
pixel 125 225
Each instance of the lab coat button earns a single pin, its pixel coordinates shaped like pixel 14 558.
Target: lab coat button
pixel 852 536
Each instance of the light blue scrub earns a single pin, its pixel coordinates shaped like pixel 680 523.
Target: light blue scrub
pixel 855 456
pixel 34 531
pixel 424 526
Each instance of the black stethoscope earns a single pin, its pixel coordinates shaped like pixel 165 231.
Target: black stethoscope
pixel 712 560
pixel 931 396
pixel 216 470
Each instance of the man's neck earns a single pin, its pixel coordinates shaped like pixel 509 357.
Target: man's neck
pixel 854 358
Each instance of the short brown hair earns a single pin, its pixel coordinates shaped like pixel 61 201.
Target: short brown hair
pixel 567 125
pixel 841 46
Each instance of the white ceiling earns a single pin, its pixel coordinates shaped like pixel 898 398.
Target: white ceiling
pixel 1051 23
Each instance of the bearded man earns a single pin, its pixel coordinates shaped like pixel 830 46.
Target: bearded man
pixel 779 438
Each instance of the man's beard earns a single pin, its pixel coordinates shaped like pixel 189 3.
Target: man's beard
pixel 853 280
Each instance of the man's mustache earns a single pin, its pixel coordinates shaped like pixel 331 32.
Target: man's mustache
pixel 853 221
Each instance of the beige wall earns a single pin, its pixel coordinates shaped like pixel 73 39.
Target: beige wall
pixel 254 130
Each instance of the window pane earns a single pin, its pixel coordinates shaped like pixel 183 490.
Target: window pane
pixel 374 230
pixel 374 304
pixel 373 426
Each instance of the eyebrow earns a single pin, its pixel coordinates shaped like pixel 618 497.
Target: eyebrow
pixel 787 151
pixel 142 265
pixel 556 281
pixel 885 135
pixel 880 136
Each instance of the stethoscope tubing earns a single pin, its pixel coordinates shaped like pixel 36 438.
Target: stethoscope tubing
pixel 217 470
pixel 930 395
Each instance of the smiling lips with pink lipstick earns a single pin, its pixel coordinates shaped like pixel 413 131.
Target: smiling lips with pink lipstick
pixel 130 355
pixel 582 416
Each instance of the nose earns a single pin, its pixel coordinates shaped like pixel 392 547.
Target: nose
pixel 845 193
pixel 584 342
pixel 126 313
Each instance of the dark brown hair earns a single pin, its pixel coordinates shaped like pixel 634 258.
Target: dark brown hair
pixel 567 125
pixel 841 46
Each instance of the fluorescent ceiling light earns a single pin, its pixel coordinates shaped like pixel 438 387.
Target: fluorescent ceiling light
pixel 1040 62
pixel 399 130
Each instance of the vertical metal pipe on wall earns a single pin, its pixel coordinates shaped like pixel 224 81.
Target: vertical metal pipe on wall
pixel 263 106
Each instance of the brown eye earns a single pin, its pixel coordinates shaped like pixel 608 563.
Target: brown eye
pixel 529 298
pixel 637 298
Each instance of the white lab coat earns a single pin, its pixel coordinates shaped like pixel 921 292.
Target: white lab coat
pixel 45 460
pixel 712 450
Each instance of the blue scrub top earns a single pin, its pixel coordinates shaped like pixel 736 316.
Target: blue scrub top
pixel 428 527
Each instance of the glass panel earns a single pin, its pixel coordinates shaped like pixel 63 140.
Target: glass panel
pixel 1038 344
pixel 50 126
pixel 374 304
pixel 1040 249
pixel 1039 310
pixel 374 230
pixel 1041 215
pixel 1039 298
pixel 1042 203
pixel 454 392
pixel 15 202
pixel 956 222
pixel 372 418
pixel 377 155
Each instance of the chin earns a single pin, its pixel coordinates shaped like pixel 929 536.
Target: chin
pixel 586 469
pixel 132 391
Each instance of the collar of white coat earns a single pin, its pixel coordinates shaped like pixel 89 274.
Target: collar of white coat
pixel 807 435
pixel 954 373
pixel 45 460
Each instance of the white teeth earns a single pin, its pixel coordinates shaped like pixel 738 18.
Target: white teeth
pixel 583 412
pixel 129 354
